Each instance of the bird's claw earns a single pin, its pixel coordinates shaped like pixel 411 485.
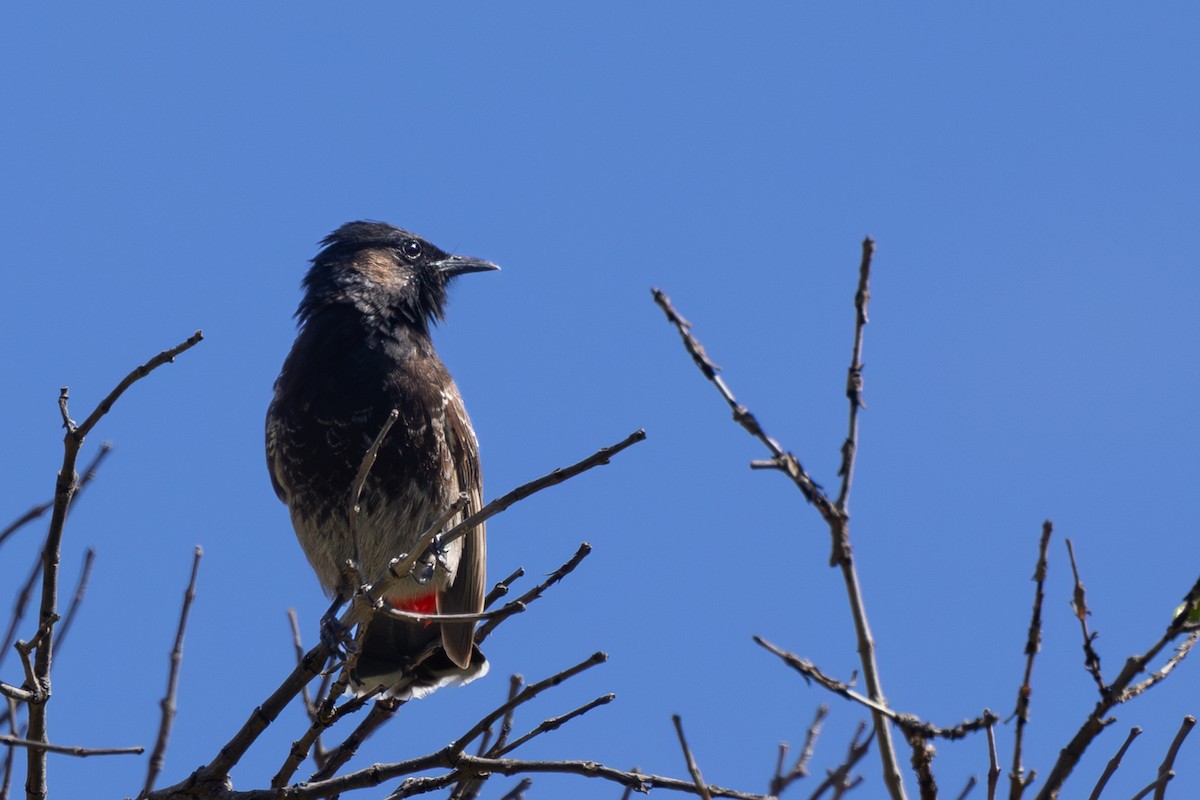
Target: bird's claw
pixel 336 636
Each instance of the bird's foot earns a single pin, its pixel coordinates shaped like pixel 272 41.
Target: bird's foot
pixel 336 636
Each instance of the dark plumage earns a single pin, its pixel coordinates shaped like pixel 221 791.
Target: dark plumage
pixel 364 348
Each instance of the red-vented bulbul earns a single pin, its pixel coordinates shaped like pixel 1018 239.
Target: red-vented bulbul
pixel 363 349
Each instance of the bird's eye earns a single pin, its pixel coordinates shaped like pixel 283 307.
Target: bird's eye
pixel 411 248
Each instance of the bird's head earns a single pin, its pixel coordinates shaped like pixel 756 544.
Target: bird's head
pixel 385 272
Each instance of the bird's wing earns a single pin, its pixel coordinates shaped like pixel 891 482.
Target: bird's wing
pixel 464 595
pixel 273 434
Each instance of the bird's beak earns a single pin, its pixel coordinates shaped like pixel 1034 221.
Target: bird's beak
pixel 461 265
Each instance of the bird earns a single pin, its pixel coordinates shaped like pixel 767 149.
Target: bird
pixel 363 348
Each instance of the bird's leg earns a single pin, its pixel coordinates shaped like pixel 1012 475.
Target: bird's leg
pixel 335 635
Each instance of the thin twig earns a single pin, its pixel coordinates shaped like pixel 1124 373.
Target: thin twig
pixel 1118 692
pixel 1091 658
pixel 360 479
pixel 89 556
pixel 993 776
pixel 40 509
pixel 168 705
pixel 854 376
pixel 382 711
pixel 518 605
pixel 466 790
pixel 1165 770
pixel 1114 763
pixel 10 754
pixel 799 770
pixel 1159 784
pixel 838 779
pixel 298 646
pixel 527 694
pixel 909 723
pixel 693 767
pixel 81 752
pixel 501 588
pixel 781 460
pixel 518 791
pixel 467 766
pixel 515 684
pixel 836 517
pixel 89 475
pixel 1018 780
pixel 19 607
pixel 599 458
pixel 1162 672
pixel 970 787
pixel 554 723
pixel 66 485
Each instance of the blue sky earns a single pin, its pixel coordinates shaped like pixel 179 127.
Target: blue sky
pixel 1030 176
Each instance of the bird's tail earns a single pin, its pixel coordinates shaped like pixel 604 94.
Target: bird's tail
pixel 408 659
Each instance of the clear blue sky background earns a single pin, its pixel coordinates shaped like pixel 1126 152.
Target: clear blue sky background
pixel 1030 174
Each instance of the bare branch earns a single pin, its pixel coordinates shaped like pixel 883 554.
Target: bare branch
pixel 781 460
pixel 854 376
pixel 970 787
pixel 515 684
pixel 1114 763
pixel 519 605
pixel 530 692
pixel 836 515
pixel 518 791
pixel 157 757
pixel 81 752
pixel 382 711
pixel 66 486
pixel 466 766
pixel 993 778
pixel 15 693
pixel 780 781
pixel 40 509
pixel 909 723
pixel 1158 785
pixel 89 556
pixel 922 764
pixel 1091 658
pixel 597 459
pixel 1018 780
pixel 364 468
pixel 1118 692
pixel 10 754
pixel 1165 770
pixel 554 723
pixel 501 588
pixel 1180 653
pixel 839 779
pixel 165 357
pixel 693 767
pixel 26 592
